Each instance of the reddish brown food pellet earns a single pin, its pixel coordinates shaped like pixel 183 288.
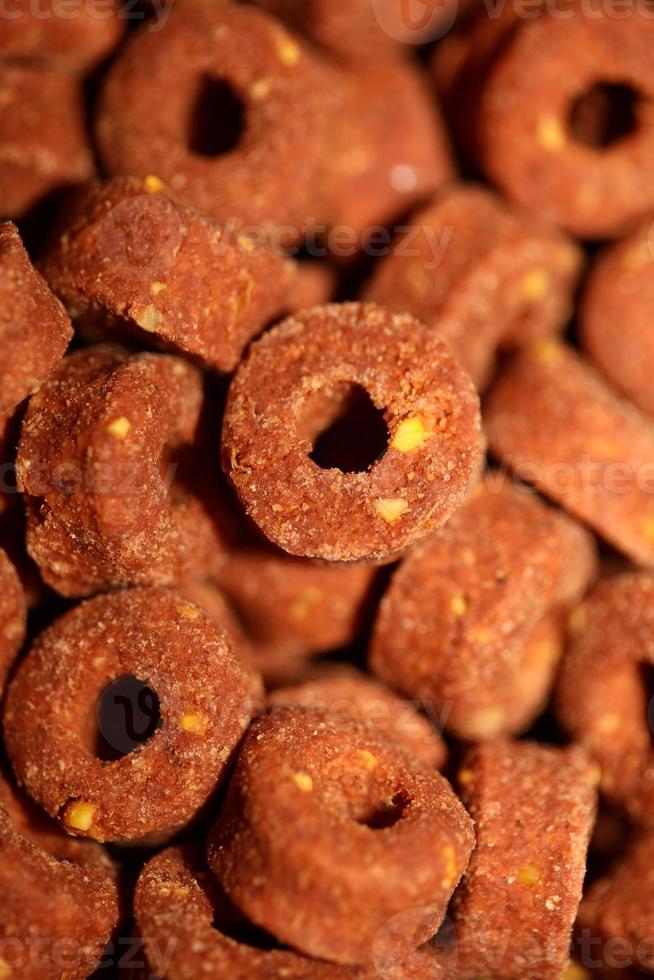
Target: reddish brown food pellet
pixel 615 316
pixel 341 690
pixel 73 38
pixel 177 899
pixel 593 180
pixel 55 916
pixel 44 146
pixel 534 809
pixel 13 616
pixel 618 908
pixel 52 736
pixel 235 64
pixel 484 275
pixel 369 811
pixel 92 462
pixel 295 383
pixel 132 256
pixel 34 328
pixel 469 623
pixel 602 697
pixel 555 422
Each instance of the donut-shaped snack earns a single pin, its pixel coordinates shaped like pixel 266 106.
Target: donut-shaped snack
pixel 381 834
pixel 141 702
pixel 314 370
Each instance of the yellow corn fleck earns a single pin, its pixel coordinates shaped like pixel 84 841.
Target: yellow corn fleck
pixel 575 972
pixel 548 351
pixel 5 969
pixel 648 529
pixel 153 185
pixel 551 135
pixel 260 88
pixel 194 724
pixel 465 777
pixel 608 724
pixel 79 815
pixel 119 427
pixel 486 723
pixel 391 509
pixel 188 611
pixel 156 288
pixel 451 866
pixel 367 759
pixel 529 875
pixel 459 604
pixel 411 434
pixel 148 319
pixel 535 285
pixel 288 50
pixel 303 781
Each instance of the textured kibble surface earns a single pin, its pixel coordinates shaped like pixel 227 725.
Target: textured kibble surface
pixel 326 490
pixel 203 692
pixel 292 386
pixel 364 805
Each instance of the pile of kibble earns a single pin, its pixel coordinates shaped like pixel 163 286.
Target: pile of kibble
pixel 326 489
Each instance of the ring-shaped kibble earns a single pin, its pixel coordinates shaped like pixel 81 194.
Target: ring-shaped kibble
pixel 70 756
pixel 44 145
pixel 34 328
pixel 588 175
pixel 54 913
pixel 70 40
pixel 556 423
pixel 130 256
pixel 480 273
pixel 534 810
pixel 177 899
pixel 618 909
pixel 301 378
pixel 612 641
pixel 95 460
pixel 381 833
pixel 342 690
pixel 615 315
pixel 271 93
pixel 469 622
pixel 13 616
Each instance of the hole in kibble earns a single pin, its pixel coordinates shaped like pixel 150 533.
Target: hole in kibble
pixel 127 715
pixel 647 680
pixel 386 814
pixel 217 118
pixel 348 432
pixel 605 114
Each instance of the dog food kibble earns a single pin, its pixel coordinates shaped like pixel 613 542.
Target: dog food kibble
pixel 132 256
pixel 573 140
pixel 558 425
pixel 93 462
pixel 362 800
pixel 44 147
pixel 257 127
pixel 481 274
pixel 344 690
pixel 274 275
pixel 177 899
pixel 615 316
pixel 13 614
pixel 296 382
pixel 194 703
pixel 54 913
pixel 469 621
pixel 534 809
pixel 34 328
pixel 612 635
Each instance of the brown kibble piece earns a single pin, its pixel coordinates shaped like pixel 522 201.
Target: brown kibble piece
pixel 534 809
pixel 44 147
pixel 470 620
pixel 616 316
pixel 296 382
pixel 555 422
pixel 342 690
pixel 34 328
pixel 13 615
pixel 51 909
pixel 92 461
pixel 203 691
pixel 366 808
pixel 603 696
pixel 129 255
pixel 484 275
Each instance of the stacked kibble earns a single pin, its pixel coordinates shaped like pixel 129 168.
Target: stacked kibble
pixel 326 627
